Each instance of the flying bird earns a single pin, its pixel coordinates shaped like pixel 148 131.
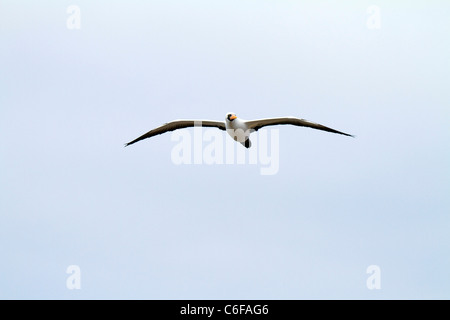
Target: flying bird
pixel 238 129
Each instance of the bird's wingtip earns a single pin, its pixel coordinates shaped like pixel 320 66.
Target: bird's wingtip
pixel 349 135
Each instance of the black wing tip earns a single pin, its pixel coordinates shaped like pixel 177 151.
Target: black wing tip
pixel 349 135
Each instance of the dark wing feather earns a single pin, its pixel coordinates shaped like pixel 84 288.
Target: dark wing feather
pixel 258 124
pixel 179 124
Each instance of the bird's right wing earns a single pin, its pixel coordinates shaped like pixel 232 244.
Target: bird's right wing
pixel 179 124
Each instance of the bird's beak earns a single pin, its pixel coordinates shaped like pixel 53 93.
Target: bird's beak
pixel 233 117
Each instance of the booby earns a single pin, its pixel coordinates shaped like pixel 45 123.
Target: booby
pixel 238 129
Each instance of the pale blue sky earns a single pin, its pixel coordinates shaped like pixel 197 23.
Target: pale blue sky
pixel 139 226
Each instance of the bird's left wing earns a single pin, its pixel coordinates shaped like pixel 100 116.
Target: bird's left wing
pixel 257 124
pixel 179 124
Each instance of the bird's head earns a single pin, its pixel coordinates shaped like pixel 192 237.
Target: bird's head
pixel 230 116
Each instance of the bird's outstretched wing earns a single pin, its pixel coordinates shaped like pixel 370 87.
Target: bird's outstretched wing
pixel 257 124
pixel 179 124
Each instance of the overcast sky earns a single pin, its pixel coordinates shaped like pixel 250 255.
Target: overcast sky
pixel 138 226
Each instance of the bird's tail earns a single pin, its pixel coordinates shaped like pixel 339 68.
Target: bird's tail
pixel 247 143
